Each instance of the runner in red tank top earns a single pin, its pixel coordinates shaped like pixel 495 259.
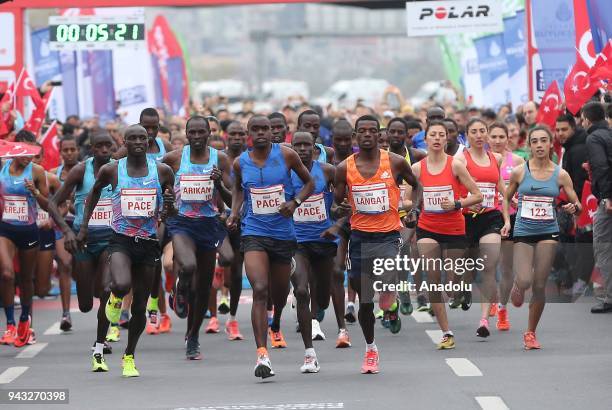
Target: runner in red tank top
pixel 441 230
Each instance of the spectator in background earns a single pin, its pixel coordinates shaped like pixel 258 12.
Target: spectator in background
pixel 215 126
pixel 178 140
pixel 461 119
pixel 489 116
pixel 414 127
pixel 504 111
pixel 599 145
pixel 473 112
pixel 113 129
pixel 164 133
pixel 515 140
pixel 434 113
pixel 73 120
pixel 530 112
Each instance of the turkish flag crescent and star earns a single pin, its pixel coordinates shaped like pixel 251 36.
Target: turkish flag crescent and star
pixel 602 70
pixel 17 149
pixel 578 87
pixel 550 106
pixel 27 88
pixel 35 122
pixel 49 142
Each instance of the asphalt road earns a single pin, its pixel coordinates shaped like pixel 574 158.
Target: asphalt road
pixel 572 371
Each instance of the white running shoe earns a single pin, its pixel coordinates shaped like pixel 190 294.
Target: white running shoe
pixel 263 367
pixel 311 365
pixel 317 333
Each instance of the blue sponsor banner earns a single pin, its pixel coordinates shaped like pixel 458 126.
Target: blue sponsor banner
pixel 493 69
pixel 68 65
pixel 157 82
pixel 46 62
pixel 101 69
pixel 555 36
pixel 514 42
pixel 600 16
pixel 176 85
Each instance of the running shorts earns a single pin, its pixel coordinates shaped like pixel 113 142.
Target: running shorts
pixel 47 239
pixel 142 251
pixel 313 250
pixel 279 251
pixel 206 233
pixel 23 236
pixel 445 241
pixel 482 224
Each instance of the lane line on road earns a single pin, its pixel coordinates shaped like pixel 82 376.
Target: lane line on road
pixel 434 335
pixel 75 310
pixel 491 403
pixel 422 317
pixel 54 329
pixel 12 373
pixel 463 367
pixel 31 351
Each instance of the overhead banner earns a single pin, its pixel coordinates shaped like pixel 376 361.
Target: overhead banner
pixel 102 85
pixel 438 18
pixel 493 69
pixel 516 57
pixel 600 16
pixel 472 85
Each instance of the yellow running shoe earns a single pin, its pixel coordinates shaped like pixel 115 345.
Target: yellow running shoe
pixel 98 364
pixel 113 334
pixel 113 309
pixel 447 342
pixel 128 366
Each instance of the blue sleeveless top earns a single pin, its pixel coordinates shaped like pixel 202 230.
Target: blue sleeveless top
pixel 157 156
pixel 265 189
pixel 193 187
pixel 536 214
pixel 323 155
pixel 313 216
pixel 20 207
pixel 102 214
pixel 136 201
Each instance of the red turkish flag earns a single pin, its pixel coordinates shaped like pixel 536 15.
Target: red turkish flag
pixel 550 106
pixel 578 87
pixel 17 149
pixel 584 39
pixel 36 120
pixel 589 206
pixel 50 144
pixel 27 88
pixel 602 70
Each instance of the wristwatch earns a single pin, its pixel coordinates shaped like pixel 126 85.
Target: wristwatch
pixel 297 201
pixel 457 205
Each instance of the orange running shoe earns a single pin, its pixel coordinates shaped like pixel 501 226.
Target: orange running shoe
pixel 370 362
pixel 9 335
pixel 165 323
pixel 343 339
pixel 23 333
pixel 503 323
pixel 213 325
pixel 530 341
pixel 231 328
pixel 278 341
pixel 493 310
pixel 152 323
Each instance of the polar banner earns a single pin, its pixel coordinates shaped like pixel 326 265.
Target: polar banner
pixel 438 18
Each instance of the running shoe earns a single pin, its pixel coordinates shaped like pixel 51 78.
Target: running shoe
pixel 370 362
pixel 530 341
pixel 422 305
pixel 343 339
pixel 277 339
pixel 350 314
pixel 395 323
pixel 32 338
pixel 447 342
pixel 263 367
pixel 66 323
pixel 517 296
pixel 232 331
pixel 107 348
pixel 384 321
pixel 483 328
pixel 98 364
pixel 466 300
pixel 406 308
pixel 23 333
pixel 311 365
pixel 128 366
pixel 113 309
pixel 379 314
pixel 193 349
pixel 454 303
pixel 8 338
pixel 224 307
pixel 213 325
pixel 317 333
pixel 113 334
pixel 493 310
pixel 180 298
pixel 124 319
pixel 502 319
pixel 152 323
pixel 165 324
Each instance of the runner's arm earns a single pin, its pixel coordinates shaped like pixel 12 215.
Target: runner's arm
pixel 466 180
pixel 225 181
pixel 106 176
pixel 40 191
pixel 73 179
pixel 574 206
pixel 237 196
pixel 166 181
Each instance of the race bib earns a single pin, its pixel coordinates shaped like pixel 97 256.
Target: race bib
pixel 41 216
pixel 138 203
pixel 266 201
pixel 311 210
pixel 15 208
pixel 196 188
pixel 102 214
pixel 487 189
pixel 371 199
pixel 402 193
pixel 433 196
pixel 539 208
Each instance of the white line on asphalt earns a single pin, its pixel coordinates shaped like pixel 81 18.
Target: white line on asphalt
pixel 54 329
pixel 434 335
pixel 75 310
pixel 31 351
pixel 11 374
pixel 491 403
pixel 422 317
pixel 463 367
pixel 279 406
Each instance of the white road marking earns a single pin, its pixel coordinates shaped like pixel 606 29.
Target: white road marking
pixel 434 335
pixel 31 351
pixel 75 310
pixel 491 403
pixel 422 317
pixel 11 374
pixel 278 406
pixel 54 329
pixel 463 367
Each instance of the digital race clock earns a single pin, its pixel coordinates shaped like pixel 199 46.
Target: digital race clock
pixel 96 32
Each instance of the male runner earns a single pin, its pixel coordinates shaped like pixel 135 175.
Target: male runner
pixel 279 127
pixel 309 121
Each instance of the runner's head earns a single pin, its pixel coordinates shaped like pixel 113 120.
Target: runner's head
pixel 451 129
pixel 342 138
pixel 397 132
pixel 37 159
pixel 476 131
pixel 236 136
pixel 259 131
pixel 383 140
pixel 198 132
pixel 102 146
pixel 278 122
pixel 367 132
pixel 149 119
pixel 213 125
pixel 414 127
pixel 514 132
pixel 303 144
pixel 309 121
pixel 27 137
pixel 69 150
pixel 540 141
pixel 136 140
pixel 435 114
pixel 436 136
pixel 498 137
